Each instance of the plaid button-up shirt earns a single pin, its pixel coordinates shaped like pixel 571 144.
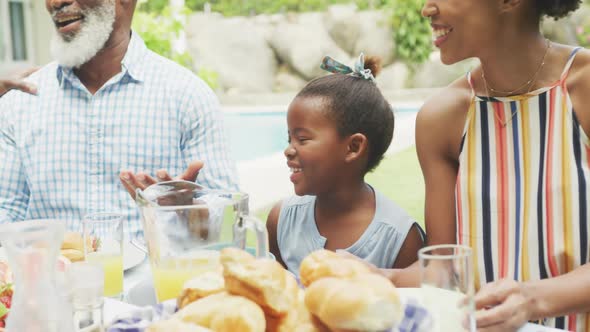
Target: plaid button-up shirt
pixel 61 151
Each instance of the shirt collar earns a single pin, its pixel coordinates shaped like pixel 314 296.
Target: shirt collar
pixel 131 63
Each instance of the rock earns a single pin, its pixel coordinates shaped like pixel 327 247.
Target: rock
pixel 287 81
pixel 302 44
pixel 434 73
pixel 344 26
pixel 376 36
pixel 562 31
pixel 235 48
pixel 393 77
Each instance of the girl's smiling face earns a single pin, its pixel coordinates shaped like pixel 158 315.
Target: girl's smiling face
pixel 316 152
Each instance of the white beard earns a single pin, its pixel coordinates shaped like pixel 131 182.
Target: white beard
pixel 95 30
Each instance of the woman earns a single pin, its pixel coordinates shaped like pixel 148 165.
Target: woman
pixel 506 160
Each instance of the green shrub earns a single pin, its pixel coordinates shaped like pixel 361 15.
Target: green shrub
pixel 159 28
pixel 583 34
pixel 411 32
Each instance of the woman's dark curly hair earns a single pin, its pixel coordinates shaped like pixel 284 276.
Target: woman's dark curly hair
pixel 556 8
pixel 357 106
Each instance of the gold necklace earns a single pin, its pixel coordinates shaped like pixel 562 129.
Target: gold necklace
pixel 530 83
pixel 527 83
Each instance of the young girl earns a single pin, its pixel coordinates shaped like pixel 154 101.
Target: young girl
pixel 506 161
pixel 339 128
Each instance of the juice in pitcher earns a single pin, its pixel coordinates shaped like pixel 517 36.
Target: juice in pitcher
pixel 171 274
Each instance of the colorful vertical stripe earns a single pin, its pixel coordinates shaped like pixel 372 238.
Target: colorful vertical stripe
pixel 522 190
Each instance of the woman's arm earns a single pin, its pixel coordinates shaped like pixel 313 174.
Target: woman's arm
pixel 17 82
pixel 439 127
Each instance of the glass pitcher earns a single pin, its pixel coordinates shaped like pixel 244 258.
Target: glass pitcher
pixel 185 226
pixel 32 249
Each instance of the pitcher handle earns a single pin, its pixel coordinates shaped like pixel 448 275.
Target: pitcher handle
pixel 139 246
pixel 259 229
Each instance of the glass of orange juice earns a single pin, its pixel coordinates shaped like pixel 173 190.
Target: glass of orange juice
pixel 103 245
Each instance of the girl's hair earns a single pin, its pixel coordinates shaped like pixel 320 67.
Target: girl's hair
pixel 357 106
pixel 556 8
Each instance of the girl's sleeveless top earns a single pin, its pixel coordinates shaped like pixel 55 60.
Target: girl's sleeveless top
pixel 522 191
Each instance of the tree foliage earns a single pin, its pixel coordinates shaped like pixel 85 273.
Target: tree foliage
pixel 159 29
pixel 412 33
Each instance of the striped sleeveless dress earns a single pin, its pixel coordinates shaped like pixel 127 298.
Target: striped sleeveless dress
pixel 522 191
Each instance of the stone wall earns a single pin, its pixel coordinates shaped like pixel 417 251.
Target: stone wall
pixel 280 53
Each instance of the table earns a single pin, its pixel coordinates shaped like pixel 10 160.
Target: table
pixel 135 276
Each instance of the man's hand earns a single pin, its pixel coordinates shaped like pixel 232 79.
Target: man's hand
pixel 502 306
pixel 142 180
pixel 17 83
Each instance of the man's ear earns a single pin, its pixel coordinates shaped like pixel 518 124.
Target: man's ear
pixel 357 146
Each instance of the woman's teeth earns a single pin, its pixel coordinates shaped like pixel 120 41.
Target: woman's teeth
pixel 295 170
pixel 437 33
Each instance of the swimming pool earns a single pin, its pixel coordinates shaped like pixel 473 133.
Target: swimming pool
pixel 253 135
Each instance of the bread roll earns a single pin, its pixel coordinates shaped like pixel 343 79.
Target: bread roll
pixel 204 285
pixel 233 255
pixel 74 255
pixel 297 319
pixel 176 326
pixel 367 302
pixel 263 281
pixel 223 312
pixel 73 240
pixel 324 263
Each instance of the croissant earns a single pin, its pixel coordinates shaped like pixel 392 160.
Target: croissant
pixel 297 319
pixel 324 263
pixel 176 326
pixel 263 281
pixel 367 302
pixel 201 286
pixel 223 312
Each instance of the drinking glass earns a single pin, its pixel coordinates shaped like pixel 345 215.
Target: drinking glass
pixel 85 283
pixel 103 245
pixel 447 286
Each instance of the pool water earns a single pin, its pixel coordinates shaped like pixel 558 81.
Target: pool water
pixel 252 135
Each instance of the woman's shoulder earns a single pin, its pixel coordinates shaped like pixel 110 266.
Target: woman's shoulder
pixel 449 101
pixel 579 73
pixel 440 121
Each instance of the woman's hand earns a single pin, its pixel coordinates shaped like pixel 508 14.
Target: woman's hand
pixel 502 306
pixel 18 83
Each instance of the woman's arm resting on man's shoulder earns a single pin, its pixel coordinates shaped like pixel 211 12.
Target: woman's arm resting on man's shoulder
pixel 18 83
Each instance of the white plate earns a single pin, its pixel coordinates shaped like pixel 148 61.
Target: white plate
pixel 132 256
pixel 142 294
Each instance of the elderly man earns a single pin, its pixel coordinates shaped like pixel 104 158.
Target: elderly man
pixel 108 115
